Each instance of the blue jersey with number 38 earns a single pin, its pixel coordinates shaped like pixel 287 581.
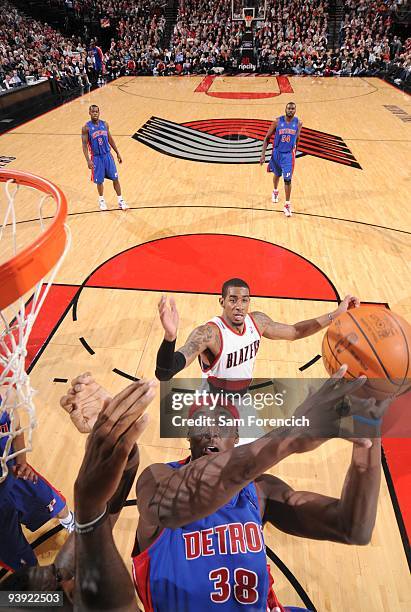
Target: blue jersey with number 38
pixel 216 563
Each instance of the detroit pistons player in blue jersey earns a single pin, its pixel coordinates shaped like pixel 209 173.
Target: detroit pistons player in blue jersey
pixel 25 498
pixel 96 141
pixel 199 542
pixel 286 130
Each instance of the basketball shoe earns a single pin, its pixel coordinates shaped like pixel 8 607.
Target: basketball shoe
pixel 68 522
pixel 275 197
pixel 122 204
pixel 102 204
pixel 287 209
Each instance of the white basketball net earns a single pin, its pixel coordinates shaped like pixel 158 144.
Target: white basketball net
pixel 16 323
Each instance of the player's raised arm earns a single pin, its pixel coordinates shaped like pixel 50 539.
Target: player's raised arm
pixel 281 331
pixel 113 144
pixel 84 142
pixel 102 580
pixel 349 519
pixel 267 139
pixel 169 361
pixel 172 498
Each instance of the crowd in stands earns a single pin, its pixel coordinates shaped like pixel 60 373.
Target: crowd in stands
pixel 293 39
pixel 366 44
pixel 30 50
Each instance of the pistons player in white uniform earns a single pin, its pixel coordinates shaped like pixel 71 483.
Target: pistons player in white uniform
pixel 227 345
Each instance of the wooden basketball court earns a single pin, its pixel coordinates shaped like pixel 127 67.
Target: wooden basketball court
pixel 189 194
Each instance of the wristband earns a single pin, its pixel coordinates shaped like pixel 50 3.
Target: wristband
pixel 81 529
pixel 169 362
pixel 366 421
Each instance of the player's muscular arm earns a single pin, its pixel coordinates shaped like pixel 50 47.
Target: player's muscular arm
pixel 169 361
pixel 172 498
pixel 201 338
pixel 84 142
pixel 113 144
pixel 267 139
pixel 102 580
pixel 281 331
pixel 348 520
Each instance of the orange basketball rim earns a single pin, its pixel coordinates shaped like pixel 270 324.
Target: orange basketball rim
pixel 26 268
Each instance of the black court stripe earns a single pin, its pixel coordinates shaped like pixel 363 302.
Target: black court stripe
pixel 87 346
pixel 261 385
pixel 239 208
pixel 291 579
pixel 165 290
pixel 309 363
pixel 125 375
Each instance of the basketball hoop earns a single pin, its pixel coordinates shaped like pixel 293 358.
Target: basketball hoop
pixel 25 267
pixel 248 20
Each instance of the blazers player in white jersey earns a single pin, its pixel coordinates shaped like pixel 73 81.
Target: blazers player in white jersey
pixel 227 345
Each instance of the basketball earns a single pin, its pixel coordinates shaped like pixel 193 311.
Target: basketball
pixel 373 341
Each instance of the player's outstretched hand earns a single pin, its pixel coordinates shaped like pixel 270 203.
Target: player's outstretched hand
pixel 350 301
pixel 84 401
pixel 169 317
pixel 324 409
pixel 119 425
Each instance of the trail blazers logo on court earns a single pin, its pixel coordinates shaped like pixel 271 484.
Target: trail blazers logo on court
pixel 234 141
